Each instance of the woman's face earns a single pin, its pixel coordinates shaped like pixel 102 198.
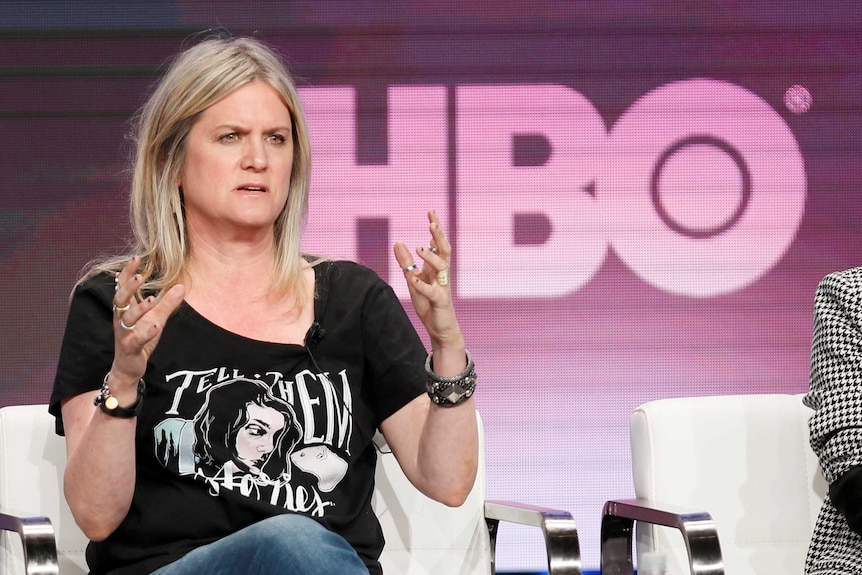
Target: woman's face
pixel 239 157
pixel 256 439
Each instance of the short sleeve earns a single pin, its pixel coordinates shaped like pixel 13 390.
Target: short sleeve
pixel 367 322
pixel 87 348
pixel 396 355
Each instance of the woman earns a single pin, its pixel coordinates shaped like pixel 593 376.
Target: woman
pixel 836 427
pixel 216 289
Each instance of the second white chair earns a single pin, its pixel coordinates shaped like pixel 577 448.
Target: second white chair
pixel 736 469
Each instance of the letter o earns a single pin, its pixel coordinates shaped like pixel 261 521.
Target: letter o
pixel 704 140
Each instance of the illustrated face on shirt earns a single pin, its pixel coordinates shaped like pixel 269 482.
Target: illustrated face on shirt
pixel 245 438
pixel 255 440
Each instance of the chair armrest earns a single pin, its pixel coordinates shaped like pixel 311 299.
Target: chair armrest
pixel 37 538
pixel 558 528
pixel 697 529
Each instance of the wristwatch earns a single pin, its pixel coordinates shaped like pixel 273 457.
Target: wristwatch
pixel 111 406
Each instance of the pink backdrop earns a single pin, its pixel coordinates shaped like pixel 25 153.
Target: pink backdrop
pixel 642 196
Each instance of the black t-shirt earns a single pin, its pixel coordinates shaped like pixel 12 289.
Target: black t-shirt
pixel 234 430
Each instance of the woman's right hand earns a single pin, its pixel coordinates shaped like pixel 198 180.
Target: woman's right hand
pixel 137 329
pixel 100 475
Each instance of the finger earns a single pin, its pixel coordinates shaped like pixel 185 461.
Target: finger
pixel 438 236
pixel 130 269
pixel 128 320
pixel 432 219
pixel 126 284
pixel 436 269
pixel 151 313
pixel 125 301
pixel 172 299
pixel 405 259
pixel 435 260
pixel 402 255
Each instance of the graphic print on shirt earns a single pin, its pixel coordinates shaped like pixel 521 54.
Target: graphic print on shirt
pixel 284 442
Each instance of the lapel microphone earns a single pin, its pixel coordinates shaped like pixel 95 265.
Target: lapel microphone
pixel 314 335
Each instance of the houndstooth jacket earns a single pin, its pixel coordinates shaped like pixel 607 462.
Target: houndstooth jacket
pixel 836 427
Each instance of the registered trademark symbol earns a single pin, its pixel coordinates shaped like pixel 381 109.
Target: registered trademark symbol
pixel 798 99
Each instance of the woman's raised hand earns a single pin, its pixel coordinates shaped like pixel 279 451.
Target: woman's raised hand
pixel 138 324
pixel 429 285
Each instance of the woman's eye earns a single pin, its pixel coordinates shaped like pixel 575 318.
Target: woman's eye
pixel 277 139
pixel 231 137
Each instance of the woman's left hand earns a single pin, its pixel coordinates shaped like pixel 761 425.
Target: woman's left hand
pixel 430 288
pixel 436 446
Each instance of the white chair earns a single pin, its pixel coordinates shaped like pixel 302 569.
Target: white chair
pixel 423 537
pixel 737 468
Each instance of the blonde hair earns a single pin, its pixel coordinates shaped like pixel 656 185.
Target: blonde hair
pixel 196 79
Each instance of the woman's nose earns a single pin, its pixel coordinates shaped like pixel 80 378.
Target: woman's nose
pixel 254 156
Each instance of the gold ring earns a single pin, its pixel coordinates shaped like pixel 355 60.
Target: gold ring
pixel 433 250
pixel 119 311
pixel 443 277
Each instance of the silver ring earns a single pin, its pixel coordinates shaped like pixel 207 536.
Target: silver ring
pixel 433 250
pixel 410 268
pixel 126 327
pixel 443 277
pixel 119 311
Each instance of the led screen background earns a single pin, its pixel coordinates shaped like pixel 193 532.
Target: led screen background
pixel 641 196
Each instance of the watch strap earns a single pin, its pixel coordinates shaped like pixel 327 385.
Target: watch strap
pixel 110 406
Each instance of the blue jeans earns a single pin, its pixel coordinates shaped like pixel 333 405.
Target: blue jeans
pixel 284 545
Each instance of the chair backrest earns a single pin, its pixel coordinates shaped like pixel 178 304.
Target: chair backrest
pixel 746 460
pixel 32 459
pixel 422 537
